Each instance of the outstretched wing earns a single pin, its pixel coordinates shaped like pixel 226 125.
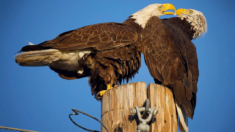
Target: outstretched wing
pixel 98 37
pixel 73 54
pixel 172 61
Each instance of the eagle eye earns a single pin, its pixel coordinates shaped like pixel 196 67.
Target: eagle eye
pixel 191 11
pixel 159 8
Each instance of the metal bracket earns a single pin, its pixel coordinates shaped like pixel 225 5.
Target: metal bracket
pixel 150 112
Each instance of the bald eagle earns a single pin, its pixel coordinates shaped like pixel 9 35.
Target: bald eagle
pixel 171 56
pixel 107 53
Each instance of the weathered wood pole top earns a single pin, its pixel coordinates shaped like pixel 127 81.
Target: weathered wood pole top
pixel 116 106
pixel 162 98
pixel 117 103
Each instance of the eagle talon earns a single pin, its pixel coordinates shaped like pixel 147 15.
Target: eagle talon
pixel 100 94
pixel 98 97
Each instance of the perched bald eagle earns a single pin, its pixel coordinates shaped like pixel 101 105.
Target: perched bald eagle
pixel 171 56
pixel 106 52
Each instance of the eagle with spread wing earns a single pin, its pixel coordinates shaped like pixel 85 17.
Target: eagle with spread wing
pixel 107 53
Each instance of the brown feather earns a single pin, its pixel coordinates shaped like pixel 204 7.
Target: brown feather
pixel 66 77
pixel 179 91
pixel 171 58
pixel 106 52
pixel 187 105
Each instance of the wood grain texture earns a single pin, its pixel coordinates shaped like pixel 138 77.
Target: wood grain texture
pixel 162 98
pixel 116 106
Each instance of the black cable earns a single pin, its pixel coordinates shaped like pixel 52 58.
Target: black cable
pixel 76 113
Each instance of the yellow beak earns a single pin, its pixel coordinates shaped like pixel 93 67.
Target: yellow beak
pixel 167 6
pixel 180 11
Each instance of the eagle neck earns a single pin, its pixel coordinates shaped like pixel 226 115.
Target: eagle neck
pixel 181 24
pixel 131 22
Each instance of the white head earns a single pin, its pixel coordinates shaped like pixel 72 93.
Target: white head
pixel 196 19
pixel 141 17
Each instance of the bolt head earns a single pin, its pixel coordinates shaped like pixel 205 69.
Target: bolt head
pixel 155 112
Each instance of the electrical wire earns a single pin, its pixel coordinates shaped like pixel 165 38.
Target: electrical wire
pixel 76 113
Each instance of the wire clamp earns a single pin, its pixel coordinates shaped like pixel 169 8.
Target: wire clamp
pixel 147 112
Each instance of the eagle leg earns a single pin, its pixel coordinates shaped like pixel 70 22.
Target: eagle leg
pixel 100 94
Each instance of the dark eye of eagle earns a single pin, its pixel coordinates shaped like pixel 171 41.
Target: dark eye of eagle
pixel 191 12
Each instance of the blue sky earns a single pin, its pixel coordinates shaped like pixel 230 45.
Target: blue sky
pixel 38 99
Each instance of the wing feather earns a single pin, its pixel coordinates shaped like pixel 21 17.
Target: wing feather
pixel 104 36
pixel 172 60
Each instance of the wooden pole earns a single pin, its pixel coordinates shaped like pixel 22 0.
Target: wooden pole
pixel 162 98
pixel 117 103
pixel 116 106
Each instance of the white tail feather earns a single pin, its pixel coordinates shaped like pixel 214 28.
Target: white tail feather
pixel 38 58
pixel 30 43
pixel 183 118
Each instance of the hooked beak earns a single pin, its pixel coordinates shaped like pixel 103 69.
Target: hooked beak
pixel 180 11
pixel 167 6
